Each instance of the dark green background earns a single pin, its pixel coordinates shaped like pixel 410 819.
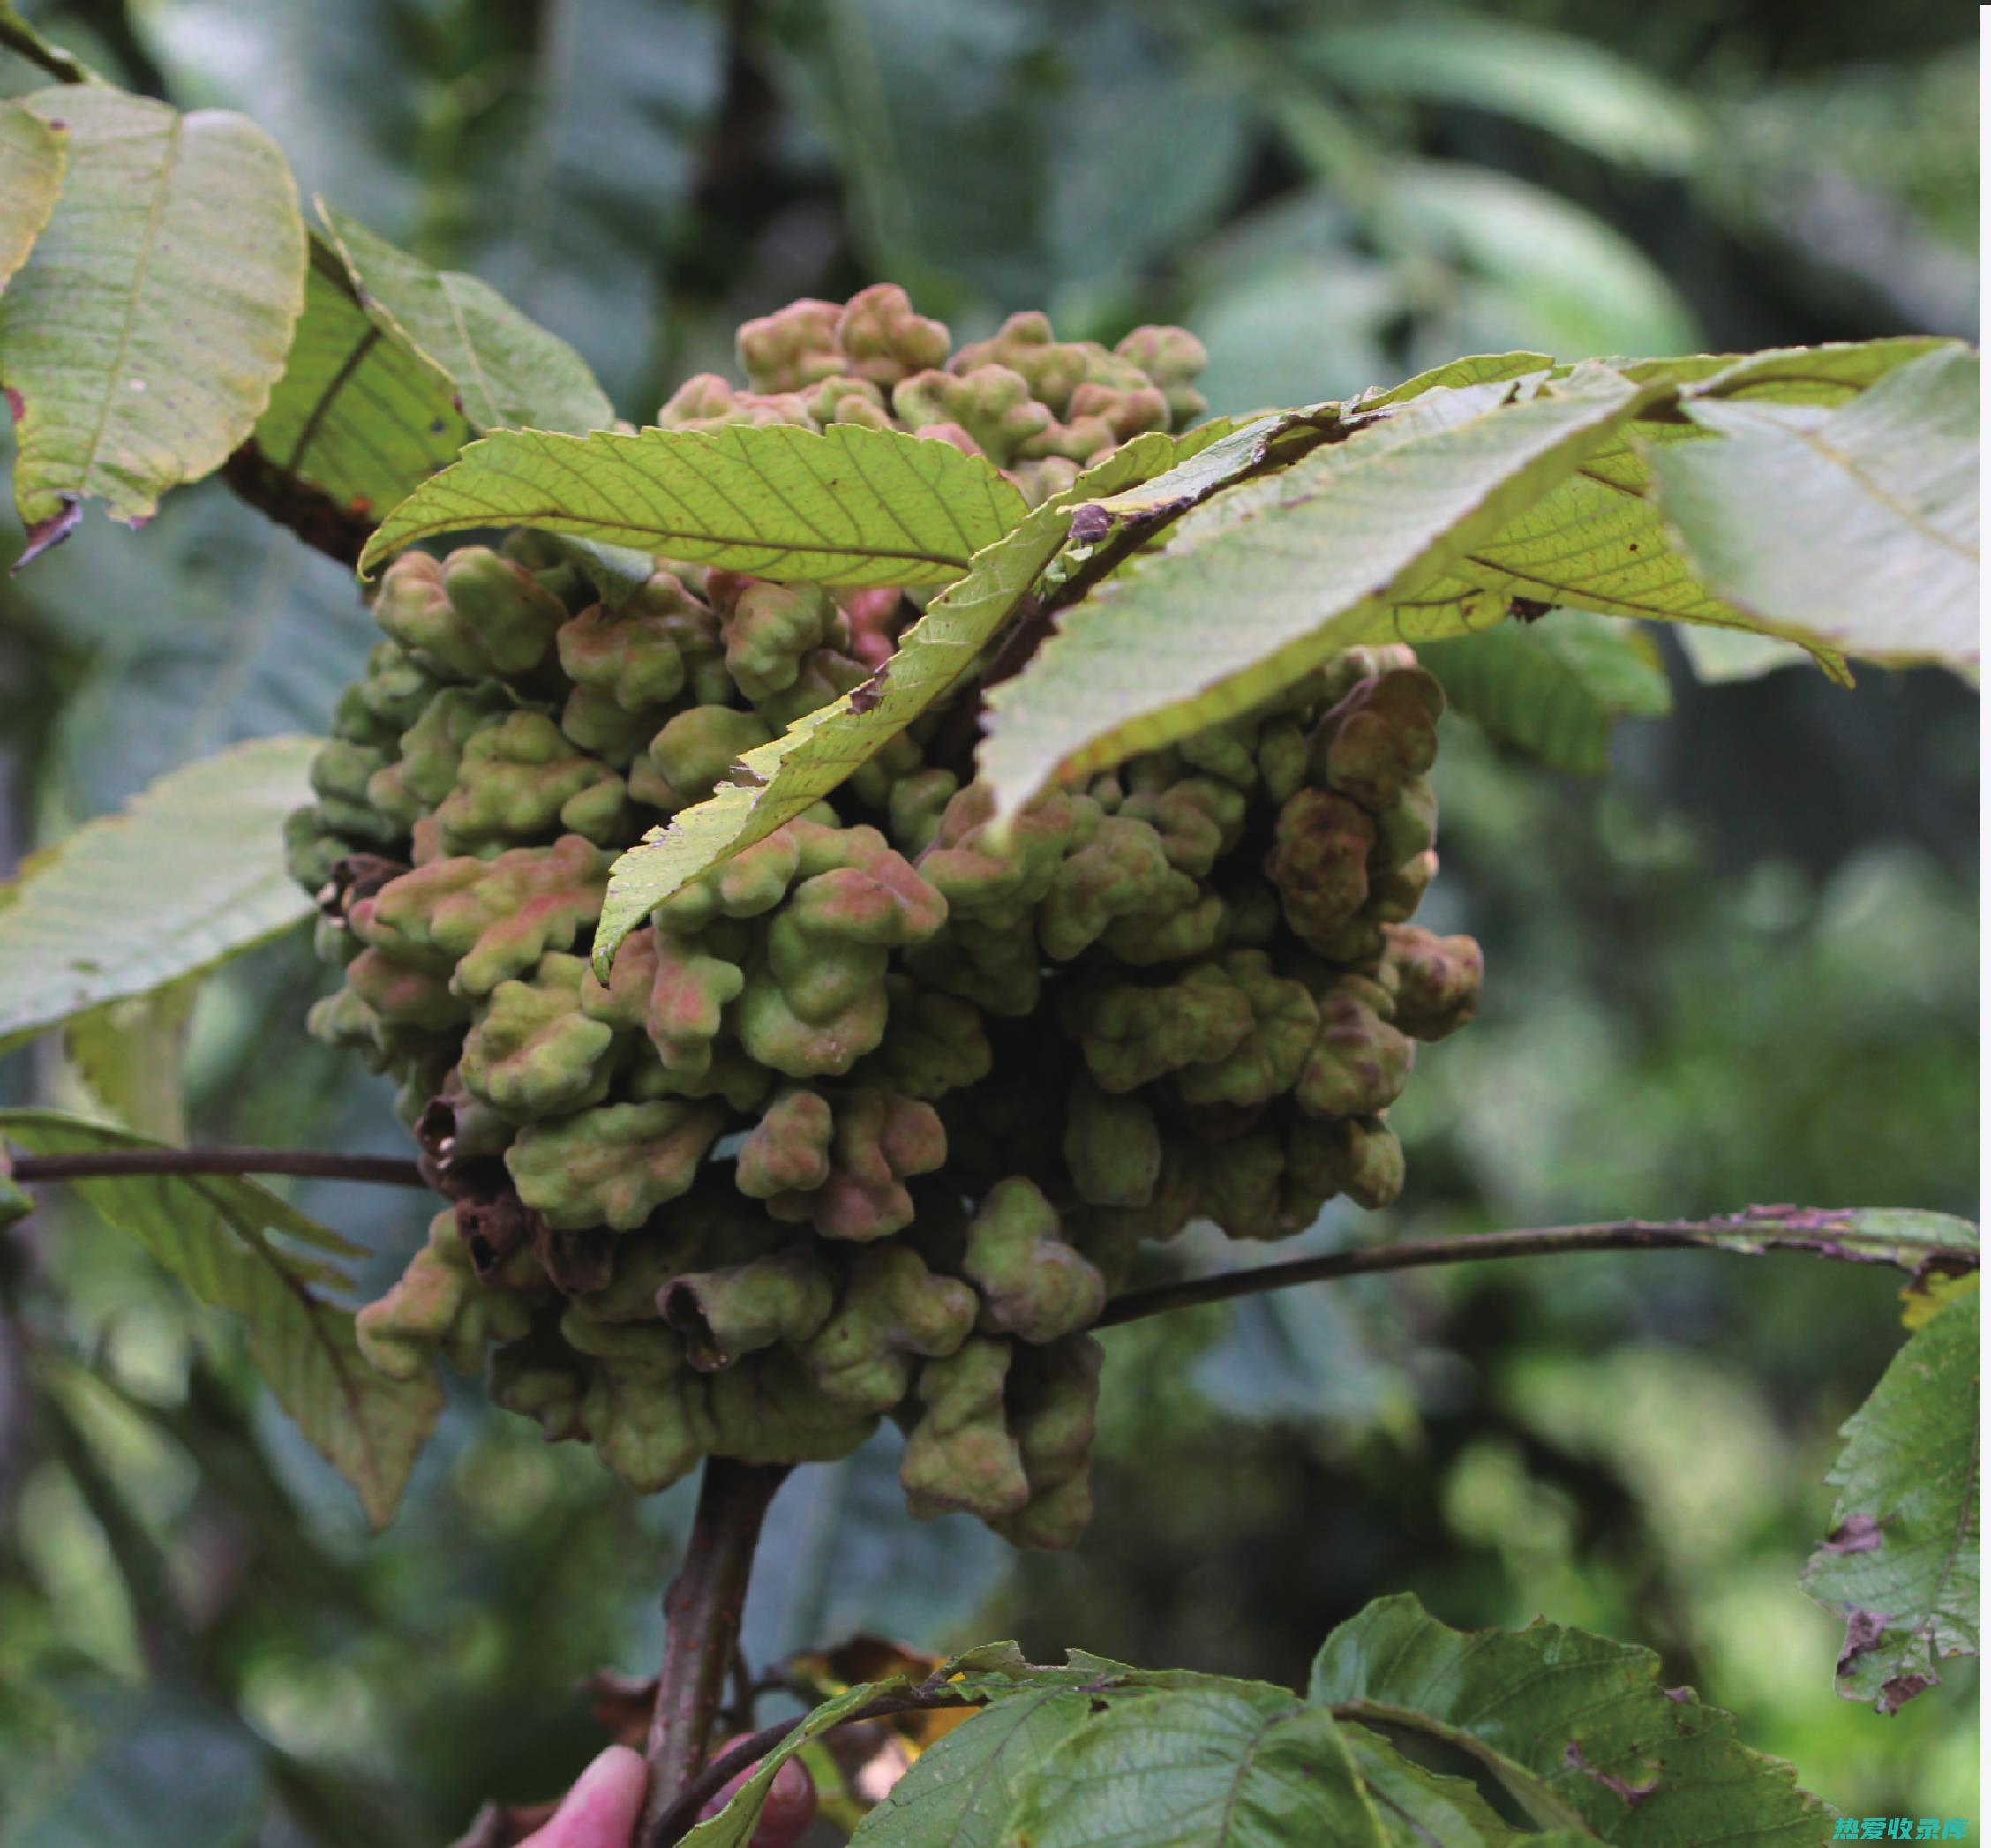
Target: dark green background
pixel 1742 967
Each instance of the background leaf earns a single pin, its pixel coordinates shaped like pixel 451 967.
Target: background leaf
pixel 1857 527
pixel 1554 686
pixel 1902 1564
pixel 212 1232
pixel 360 413
pixel 121 391
pixel 848 506
pixel 733 1825
pixel 1575 1727
pixel 191 873
pixel 32 154
pixel 505 370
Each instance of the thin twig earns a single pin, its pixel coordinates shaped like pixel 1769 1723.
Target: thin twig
pixel 16 37
pixel 677 1819
pixel 702 1614
pixel 316 1164
pixel 1766 1229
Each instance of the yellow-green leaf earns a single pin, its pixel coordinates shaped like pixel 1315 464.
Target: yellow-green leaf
pixel 140 340
pixel 851 505
pixel 358 414
pixel 190 872
pixel 1271 575
pixel 775 782
pixel 507 370
pixel 1854 528
pixel 30 167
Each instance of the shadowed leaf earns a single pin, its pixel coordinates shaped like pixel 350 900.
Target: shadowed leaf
pixel 31 168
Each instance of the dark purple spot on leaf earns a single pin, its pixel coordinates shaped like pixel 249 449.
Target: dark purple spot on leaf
pixel 865 695
pixel 15 403
pixel 1630 1794
pixel 1682 1695
pixel 1897 1694
pixel 1091 522
pixel 52 531
pixel 1856 1534
pixel 1864 1629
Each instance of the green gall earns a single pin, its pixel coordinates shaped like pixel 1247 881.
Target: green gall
pixel 1112 1147
pixel 1034 1284
pixel 614 1165
pixel 960 1454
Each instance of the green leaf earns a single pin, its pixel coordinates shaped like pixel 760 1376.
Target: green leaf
pixel 32 155
pixel 1270 576
pixel 1569 85
pixel 851 505
pixel 1856 527
pixel 213 1233
pixel 1598 541
pixel 961 1789
pixel 128 1055
pixel 733 1826
pixel 1575 1727
pixel 358 414
pixel 775 782
pixel 1552 686
pixel 1208 1768
pixel 1717 656
pixel 191 873
pixel 141 341
pixel 507 370
pixel 1424 1809
pixel 1903 1237
pixel 1902 1563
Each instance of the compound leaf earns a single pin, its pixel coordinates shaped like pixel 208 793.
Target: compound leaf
pixel 140 342
pixel 851 505
pixel 1902 1564
pixel 32 154
pixel 506 368
pixel 191 873
pixel 1552 686
pixel 1574 1727
pixel 1857 527
pixel 213 1233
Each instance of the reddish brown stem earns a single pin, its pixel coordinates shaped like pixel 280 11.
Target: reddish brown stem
pixel 702 1613
pixel 317 1164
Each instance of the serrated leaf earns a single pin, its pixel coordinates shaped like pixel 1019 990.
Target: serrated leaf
pixel 358 414
pixel 1719 655
pixel 507 370
pixel 140 340
pixel 213 1233
pixel 1902 1564
pixel 128 1054
pixel 1575 1727
pixel 775 782
pixel 1422 1808
pixel 961 1789
pixel 1554 80
pixel 1903 1237
pixel 733 1826
pixel 1552 686
pixel 32 156
pixel 191 873
pixel 1856 527
pixel 1271 575
pixel 1208 1768
pixel 851 505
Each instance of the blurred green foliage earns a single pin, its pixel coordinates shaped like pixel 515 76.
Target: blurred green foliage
pixel 1742 967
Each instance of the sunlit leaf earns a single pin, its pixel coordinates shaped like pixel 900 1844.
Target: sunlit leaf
pixel 1857 527
pixel 32 153
pixel 1902 1564
pixel 775 782
pixel 140 342
pixel 214 1234
pixel 1271 575
pixel 849 505
pixel 191 873
pixel 1553 687
pixel 507 370
pixel 1576 1729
